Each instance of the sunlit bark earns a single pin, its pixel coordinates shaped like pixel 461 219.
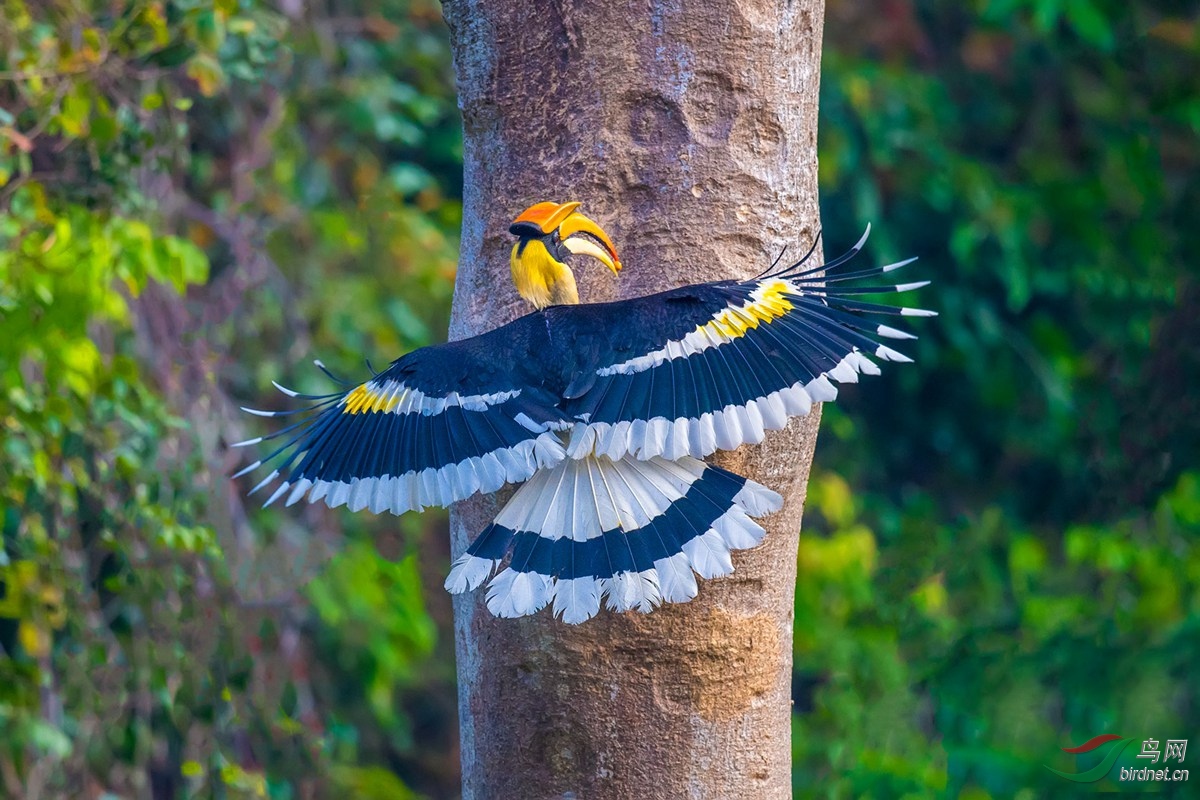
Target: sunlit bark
pixel 689 131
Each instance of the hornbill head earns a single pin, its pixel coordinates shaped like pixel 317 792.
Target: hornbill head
pixel 546 234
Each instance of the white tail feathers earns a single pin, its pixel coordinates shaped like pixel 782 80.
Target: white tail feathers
pixel 631 534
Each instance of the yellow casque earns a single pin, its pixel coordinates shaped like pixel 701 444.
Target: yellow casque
pixel 545 233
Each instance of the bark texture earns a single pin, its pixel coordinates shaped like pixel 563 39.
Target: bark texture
pixel 689 131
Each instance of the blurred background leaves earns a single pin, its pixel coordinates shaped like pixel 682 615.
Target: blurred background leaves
pixel 196 198
pixel 1017 570
pixel 179 182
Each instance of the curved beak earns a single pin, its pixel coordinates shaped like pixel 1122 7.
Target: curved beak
pixel 595 244
pixel 565 217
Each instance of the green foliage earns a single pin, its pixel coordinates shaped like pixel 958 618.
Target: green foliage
pixel 1014 643
pixel 1000 554
pixel 150 153
pixel 106 86
pixel 1048 184
pixel 375 607
pixel 1017 569
pixel 84 497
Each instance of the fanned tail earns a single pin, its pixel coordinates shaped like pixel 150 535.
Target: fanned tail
pixel 631 534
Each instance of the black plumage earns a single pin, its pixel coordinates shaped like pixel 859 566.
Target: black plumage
pixel 673 375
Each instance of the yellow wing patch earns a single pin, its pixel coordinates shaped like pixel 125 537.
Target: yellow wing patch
pixel 365 399
pixel 734 322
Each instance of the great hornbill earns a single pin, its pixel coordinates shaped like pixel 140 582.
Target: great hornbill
pixel 602 411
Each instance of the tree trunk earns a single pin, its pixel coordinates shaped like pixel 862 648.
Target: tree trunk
pixel 689 131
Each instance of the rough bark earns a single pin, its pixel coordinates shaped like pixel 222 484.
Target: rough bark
pixel 687 129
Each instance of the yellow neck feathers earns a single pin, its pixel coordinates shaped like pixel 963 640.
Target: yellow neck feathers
pixel 540 278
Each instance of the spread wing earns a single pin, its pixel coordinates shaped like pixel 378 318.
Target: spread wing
pixel 713 366
pixel 684 372
pixel 438 425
